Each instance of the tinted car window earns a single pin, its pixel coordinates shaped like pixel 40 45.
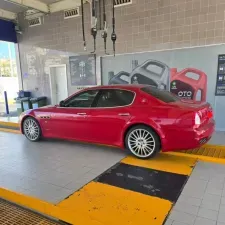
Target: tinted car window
pixel 83 100
pixel 114 98
pixel 162 95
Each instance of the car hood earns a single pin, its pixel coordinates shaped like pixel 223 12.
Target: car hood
pixel 44 108
pixel 47 106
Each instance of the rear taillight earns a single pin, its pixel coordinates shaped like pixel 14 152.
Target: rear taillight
pixel 210 114
pixel 203 116
pixel 197 120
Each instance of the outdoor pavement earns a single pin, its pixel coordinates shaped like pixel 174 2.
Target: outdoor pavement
pixel 12 109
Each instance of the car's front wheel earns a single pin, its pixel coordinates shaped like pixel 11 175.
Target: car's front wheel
pixel 142 142
pixel 31 129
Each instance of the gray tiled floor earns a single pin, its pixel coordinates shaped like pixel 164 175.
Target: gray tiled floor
pixel 202 201
pixel 218 138
pixel 51 170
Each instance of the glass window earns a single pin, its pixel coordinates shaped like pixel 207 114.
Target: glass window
pixel 82 100
pixel 162 95
pixel 114 98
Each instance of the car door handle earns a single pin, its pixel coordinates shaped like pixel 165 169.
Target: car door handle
pixel 124 114
pixel 81 114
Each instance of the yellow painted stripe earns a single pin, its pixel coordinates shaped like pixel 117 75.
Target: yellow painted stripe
pixel 46 208
pixel 197 157
pixel 9 124
pixel 10 131
pixel 214 146
pixel 98 204
pixel 215 151
pixel 111 205
pixel 165 162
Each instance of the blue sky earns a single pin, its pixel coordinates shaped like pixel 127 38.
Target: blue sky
pixel 4 50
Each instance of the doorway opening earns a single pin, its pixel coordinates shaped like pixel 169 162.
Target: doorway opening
pixel 9 78
pixel 58 83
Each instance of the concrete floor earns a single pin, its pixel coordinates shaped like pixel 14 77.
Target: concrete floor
pixel 202 201
pixel 218 138
pixel 51 170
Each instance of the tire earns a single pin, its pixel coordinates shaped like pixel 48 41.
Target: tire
pixel 31 125
pixel 142 142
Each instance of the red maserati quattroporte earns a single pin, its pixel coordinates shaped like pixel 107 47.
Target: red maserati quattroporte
pixel 139 118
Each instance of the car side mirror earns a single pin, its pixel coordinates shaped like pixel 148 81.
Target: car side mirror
pixel 62 104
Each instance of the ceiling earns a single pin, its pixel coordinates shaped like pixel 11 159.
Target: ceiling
pixel 10 8
pixel 49 1
pixel 16 8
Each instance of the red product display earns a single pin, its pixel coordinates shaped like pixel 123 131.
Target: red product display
pixel 188 87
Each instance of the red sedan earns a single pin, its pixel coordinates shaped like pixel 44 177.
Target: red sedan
pixel 139 118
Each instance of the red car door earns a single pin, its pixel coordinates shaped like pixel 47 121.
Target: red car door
pixel 109 115
pixel 70 120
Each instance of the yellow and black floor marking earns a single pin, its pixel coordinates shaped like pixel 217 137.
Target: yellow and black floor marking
pixel 132 192
pixel 157 183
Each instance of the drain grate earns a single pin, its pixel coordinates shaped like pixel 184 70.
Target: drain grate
pixel 210 151
pixel 11 214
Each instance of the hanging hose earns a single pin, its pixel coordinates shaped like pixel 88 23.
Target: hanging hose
pixel 104 33
pixel 113 35
pixel 100 14
pixel 94 24
pixel 82 11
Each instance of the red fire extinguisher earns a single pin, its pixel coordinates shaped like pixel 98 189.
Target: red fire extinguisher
pixel 188 87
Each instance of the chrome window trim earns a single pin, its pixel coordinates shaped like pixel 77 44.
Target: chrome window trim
pixel 135 94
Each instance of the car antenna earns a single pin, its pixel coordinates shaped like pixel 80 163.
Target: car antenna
pixel 82 12
pixel 104 33
pixel 113 35
pixel 94 21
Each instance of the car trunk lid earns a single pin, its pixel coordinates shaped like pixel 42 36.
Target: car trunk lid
pixel 202 112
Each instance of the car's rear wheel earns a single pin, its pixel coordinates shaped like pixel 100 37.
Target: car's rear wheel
pixel 31 129
pixel 142 142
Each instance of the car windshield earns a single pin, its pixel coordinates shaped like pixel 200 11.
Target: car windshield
pixel 162 95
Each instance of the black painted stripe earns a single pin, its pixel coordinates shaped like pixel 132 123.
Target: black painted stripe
pixel 146 181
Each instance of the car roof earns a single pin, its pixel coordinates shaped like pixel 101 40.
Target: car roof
pixel 119 86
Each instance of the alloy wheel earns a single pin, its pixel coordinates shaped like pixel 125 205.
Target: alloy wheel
pixel 141 143
pixel 31 129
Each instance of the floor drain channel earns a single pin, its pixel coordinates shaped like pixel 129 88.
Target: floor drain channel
pixel 13 214
pixel 210 151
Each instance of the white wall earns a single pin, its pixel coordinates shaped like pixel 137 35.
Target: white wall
pixel 9 84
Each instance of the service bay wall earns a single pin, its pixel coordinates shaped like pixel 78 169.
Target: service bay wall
pixel 143 26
